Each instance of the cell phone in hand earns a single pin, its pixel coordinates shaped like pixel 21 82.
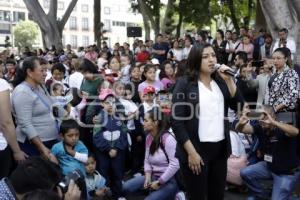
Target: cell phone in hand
pixel 255 114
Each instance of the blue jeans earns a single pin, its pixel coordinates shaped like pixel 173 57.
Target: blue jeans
pixel 283 185
pixel 166 192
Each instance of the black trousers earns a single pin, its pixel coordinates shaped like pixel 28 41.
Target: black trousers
pixel 137 153
pixel 210 183
pixel 112 169
pixel 86 136
pixel 6 162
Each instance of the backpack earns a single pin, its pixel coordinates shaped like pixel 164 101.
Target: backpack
pixel 178 176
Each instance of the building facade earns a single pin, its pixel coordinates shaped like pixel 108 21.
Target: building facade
pixel 117 16
pixel 79 29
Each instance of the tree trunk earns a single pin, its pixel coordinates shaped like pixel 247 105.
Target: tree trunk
pixel 295 5
pixel 147 29
pixel 50 27
pixel 156 25
pixel 97 22
pixel 278 15
pixel 167 17
pixel 53 38
pixel 146 18
pixel 250 11
pixel 233 16
pixel 178 28
pixel 180 20
pixel 260 21
pixel 154 20
pixel 283 14
pixel 145 11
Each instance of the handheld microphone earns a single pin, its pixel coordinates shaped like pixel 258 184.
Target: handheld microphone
pixel 228 71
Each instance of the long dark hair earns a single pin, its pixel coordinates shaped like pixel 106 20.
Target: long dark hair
pixel 194 62
pixel 286 53
pixel 221 33
pixel 27 63
pixel 162 73
pixel 180 69
pixel 163 125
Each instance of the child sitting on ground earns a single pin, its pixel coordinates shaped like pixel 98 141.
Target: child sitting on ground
pixel 95 183
pixel 70 153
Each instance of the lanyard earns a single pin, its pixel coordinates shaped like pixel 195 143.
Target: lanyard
pixel 43 101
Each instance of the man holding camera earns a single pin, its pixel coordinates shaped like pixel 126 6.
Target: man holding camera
pixel 33 175
pixel 281 162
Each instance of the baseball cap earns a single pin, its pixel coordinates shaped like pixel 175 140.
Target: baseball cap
pixel 155 61
pixel 105 93
pixel 149 89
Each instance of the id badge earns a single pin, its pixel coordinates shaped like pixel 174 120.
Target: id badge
pixel 268 158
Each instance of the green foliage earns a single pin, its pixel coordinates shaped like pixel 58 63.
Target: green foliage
pixel 221 8
pixel 25 33
pixel 200 13
pixel 194 12
pixel 153 5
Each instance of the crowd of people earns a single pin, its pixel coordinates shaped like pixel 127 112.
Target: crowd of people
pixel 156 120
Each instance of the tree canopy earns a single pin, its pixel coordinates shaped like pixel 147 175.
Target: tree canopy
pixel 51 27
pixel 25 33
pixel 191 12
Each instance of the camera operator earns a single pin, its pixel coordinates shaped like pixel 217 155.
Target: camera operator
pixel 281 162
pixel 72 193
pixel 34 174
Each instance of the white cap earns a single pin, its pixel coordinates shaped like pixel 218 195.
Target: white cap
pixel 155 61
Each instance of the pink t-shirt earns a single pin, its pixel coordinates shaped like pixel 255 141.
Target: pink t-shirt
pixel 157 164
pixel 166 83
pixel 246 48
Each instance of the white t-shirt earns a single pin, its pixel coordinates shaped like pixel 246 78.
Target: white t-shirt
pixel 101 62
pixel 49 75
pixel 290 44
pixel 125 78
pixel 211 116
pixel 178 54
pixel 237 146
pixel 157 72
pixel 130 107
pixel 3 87
pixel 232 45
pixel 75 80
pixel 186 52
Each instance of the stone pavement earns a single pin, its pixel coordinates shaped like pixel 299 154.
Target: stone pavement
pixel 228 196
